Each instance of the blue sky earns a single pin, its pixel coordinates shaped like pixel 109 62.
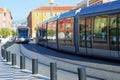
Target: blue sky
pixel 21 8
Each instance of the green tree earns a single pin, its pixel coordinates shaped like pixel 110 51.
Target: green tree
pixel 50 32
pixel 14 33
pixel 5 32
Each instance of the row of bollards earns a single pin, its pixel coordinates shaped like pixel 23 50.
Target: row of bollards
pixel 53 66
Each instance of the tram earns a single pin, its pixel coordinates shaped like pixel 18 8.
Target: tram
pixel 23 35
pixel 92 31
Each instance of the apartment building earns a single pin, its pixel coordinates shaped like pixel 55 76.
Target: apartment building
pixel 43 13
pixel 5 18
pixel 94 2
pixel 85 3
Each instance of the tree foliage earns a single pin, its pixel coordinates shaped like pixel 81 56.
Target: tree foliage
pixel 50 32
pixel 14 33
pixel 5 32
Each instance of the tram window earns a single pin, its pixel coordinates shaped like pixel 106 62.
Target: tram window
pixel 65 31
pixel 88 32
pixel 119 29
pixel 82 32
pixel 100 29
pixel 39 32
pixel 113 32
pixel 100 32
pixel 51 31
pixel 44 32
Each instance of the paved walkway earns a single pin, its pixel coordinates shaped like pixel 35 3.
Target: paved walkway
pixel 7 72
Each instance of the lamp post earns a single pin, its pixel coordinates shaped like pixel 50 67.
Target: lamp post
pixel 51 3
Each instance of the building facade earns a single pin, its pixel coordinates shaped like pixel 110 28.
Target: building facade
pixel 94 2
pixel 5 18
pixel 41 14
pixel 85 3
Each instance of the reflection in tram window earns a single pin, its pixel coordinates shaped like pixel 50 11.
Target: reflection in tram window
pixel 119 30
pixel 100 32
pixel 82 32
pixel 113 32
pixel 88 32
pixel 51 31
pixel 65 31
pixel 100 28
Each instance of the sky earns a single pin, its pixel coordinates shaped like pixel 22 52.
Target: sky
pixel 20 8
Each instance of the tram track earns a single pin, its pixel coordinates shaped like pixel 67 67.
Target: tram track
pixel 35 49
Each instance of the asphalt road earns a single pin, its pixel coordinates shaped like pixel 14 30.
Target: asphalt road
pixel 67 64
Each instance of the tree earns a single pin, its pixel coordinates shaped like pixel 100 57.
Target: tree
pixel 5 32
pixel 50 32
pixel 14 33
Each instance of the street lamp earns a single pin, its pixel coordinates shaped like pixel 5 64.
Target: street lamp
pixel 51 2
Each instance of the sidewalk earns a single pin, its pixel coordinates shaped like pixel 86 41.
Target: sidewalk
pixel 7 72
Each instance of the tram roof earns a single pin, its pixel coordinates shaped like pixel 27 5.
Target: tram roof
pixel 68 14
pixel 115 5
pixel 53 19
pixel 44 22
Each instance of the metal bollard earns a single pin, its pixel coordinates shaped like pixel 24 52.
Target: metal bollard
pixel 2 51
pixel 22 62
pixel 34 66
pixel 5 52
pixel 81 73
pixel 13 59
pixel 53 71
pixel 8 56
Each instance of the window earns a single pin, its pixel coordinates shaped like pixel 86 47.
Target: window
pixel 65 31
pixel 88 32
pixel 100 32
pixel 37 20
pixel 82 32
pixel 44 32
pixel 51 31
pixel 118 23
pixel 113 32
pixel 44 13
pixel 37 14
pixel 100 29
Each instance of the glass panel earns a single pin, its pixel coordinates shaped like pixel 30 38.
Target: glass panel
pixel 65 31
pixel 39 35
pixel 88 32
pixel 119 29
pixel 113 32
pixel 44 32
pixel 100 32
pixel 51 31
pixel 82 32
pixel 23 32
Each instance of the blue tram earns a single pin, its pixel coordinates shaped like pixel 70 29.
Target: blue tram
pixel 94 31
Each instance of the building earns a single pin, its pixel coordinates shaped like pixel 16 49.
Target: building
pixel 85 3
pixel 82 4
pixel 94 2
pixel 41 14
pixel 5 18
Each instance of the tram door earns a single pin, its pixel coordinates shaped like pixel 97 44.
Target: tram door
pixel 119 32
pixel 100 35
pixel 82 37
pixel 85 35
pixel 88 31
pixel 113 35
